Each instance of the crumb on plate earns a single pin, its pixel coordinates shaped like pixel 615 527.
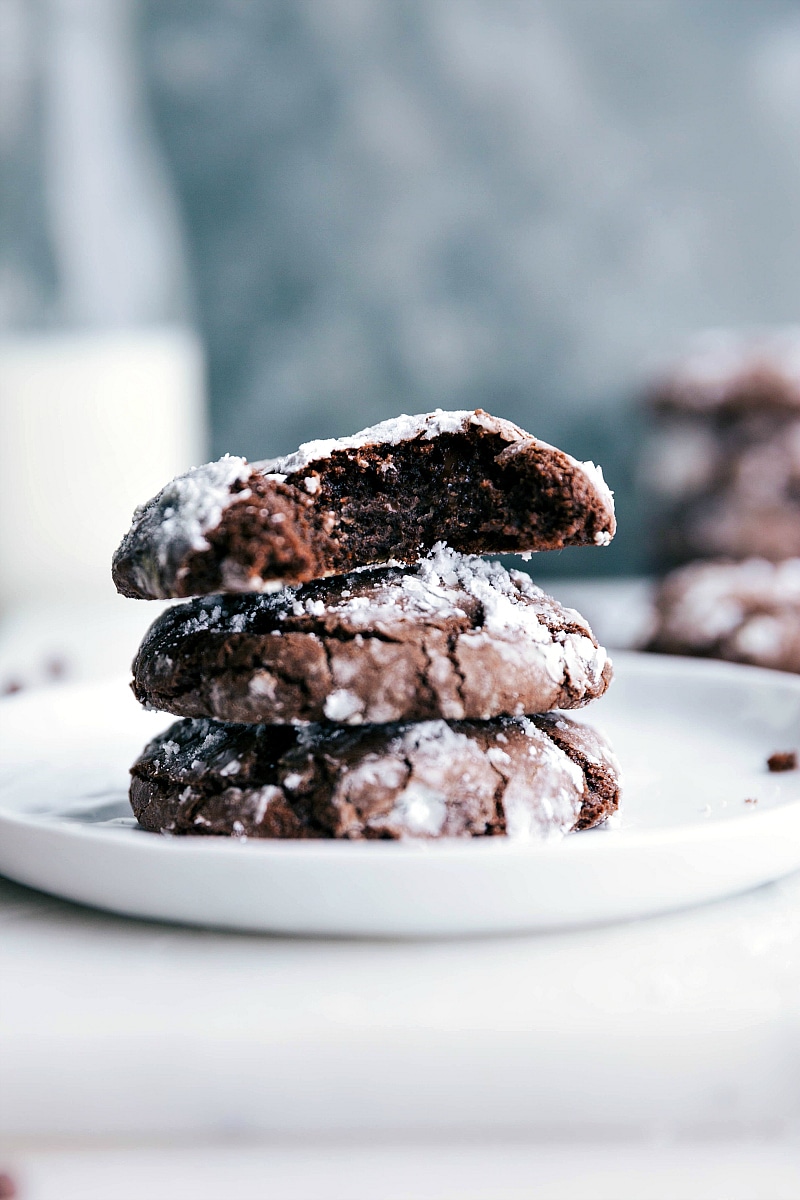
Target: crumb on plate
pixel 783 760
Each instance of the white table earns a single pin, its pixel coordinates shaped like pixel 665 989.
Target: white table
pixel 657 1058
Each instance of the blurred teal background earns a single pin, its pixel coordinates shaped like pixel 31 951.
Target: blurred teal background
pixel 373 206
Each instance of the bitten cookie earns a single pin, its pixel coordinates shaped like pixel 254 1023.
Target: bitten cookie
pixel 512 776
pixel 453 636
pixel 390 492
pixel 745 612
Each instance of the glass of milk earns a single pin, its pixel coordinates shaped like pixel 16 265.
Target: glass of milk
pixel 101 372
pixel 91 424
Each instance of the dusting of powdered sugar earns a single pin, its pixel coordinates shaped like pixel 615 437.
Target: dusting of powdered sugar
pixel 484 604
pixel 342 706
pixel 419 809
pixel 761 637
pixel 387 433
pixel 594 474
pixel 544 811
pixel 438 586
pixel 510 600
pixel 551 810
pixel 431 748
pixel 177 520
pixel 512 614
pixel 405 428
pixel 192 505
pixel 262 799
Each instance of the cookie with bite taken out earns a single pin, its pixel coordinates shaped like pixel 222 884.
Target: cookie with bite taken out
pixel 393 491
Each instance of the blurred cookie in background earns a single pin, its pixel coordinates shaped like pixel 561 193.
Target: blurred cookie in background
pixel 747 612
pixel 722 461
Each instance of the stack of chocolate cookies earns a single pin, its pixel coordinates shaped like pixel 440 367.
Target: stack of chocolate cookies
pixel 348 667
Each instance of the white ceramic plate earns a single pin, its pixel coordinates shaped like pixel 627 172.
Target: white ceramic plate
pixel 693 738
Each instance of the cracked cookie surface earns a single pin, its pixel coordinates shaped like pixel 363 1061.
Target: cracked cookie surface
pixel 515 776
pixel 453 637
pixel 390 492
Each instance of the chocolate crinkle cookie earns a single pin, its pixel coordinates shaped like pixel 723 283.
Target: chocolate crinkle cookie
pixel 525 778
pixel 454 637
pixel 347 667
pixel 393 491
pixel 746 612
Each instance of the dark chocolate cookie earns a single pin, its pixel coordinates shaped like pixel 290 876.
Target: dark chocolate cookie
pixel 452 637
pixel 390 492
pixel 745 612
pixel 515 776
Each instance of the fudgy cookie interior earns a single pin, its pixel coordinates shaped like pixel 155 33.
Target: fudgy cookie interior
pixel 480 484
pixel 396 501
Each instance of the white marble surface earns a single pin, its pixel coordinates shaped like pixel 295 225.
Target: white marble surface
pixel 413 1170
pixel 687 1024
pixel 684 1029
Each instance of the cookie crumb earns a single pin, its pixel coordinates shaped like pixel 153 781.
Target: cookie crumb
pixel 56 668
pixel 751 800
pixel 783 760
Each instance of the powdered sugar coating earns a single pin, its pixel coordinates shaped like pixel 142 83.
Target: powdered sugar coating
pixel 178 519
pixel 427 807
pixel 455 636
pixel 594 474
pixel 510 600
pixel 404 428
pixel 397 429
pixel 428 779
pixel 192 504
